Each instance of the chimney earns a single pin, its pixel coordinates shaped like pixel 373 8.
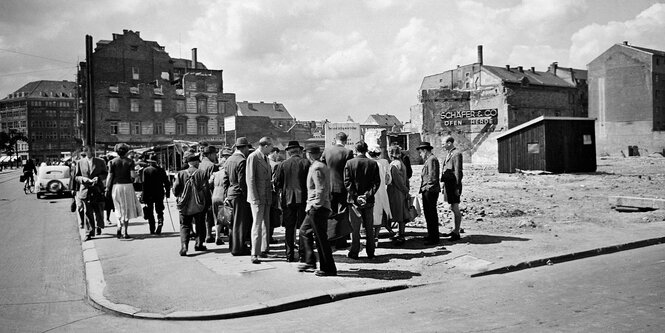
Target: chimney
pixel 625 42
pixel 519 68
pixel 194 58
pixel 480 55
pixel 508 68
pixel 533 69
pixel 553 67
pixel 138 33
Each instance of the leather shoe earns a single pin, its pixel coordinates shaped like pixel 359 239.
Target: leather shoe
pixel 322 273
pixel 219 241
pixel 306 268
pixel 87 238
pixel 200 248
pixel 183 252
pixel 159 229
pixel 255 260
pixel 99 231
pixel 210 239
pixel 352 255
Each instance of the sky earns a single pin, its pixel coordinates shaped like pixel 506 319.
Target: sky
pixel 326 59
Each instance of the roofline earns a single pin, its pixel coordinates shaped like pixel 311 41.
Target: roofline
pixel 537 120
pixel 635 48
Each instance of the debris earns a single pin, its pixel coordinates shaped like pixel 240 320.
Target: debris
pixel 533 172
pixel 636 202
pixel 528 223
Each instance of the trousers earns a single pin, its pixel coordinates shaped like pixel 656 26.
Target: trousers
pixel 294 214
pixel 261 215
pixel 431 215
pixel 366 220
pixel 186 222
pixel 315 226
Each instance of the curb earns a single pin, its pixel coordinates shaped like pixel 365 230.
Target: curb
pixel 572 256
pixel 96 284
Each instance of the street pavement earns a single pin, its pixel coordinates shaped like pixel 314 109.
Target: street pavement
pixel 44 286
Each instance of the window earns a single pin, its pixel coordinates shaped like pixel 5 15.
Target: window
pixel 201 104
pixel 113 104
pixel 202 126
pixel 135 127
pixel 179 106
pixel 135 73
pixel 134 106
pixel 180 126
pixel 158 127
pixel 158 105
pixel 221 107
pixel 114 127
pixel 586 138
pixel 533 148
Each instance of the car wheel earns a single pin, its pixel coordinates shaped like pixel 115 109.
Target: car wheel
pixel 39 195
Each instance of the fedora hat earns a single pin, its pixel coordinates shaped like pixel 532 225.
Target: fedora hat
pixel 313 148
pixel 192 158
pixel 293 144
pixel 227 151
pixel 242 142
pixel 425 145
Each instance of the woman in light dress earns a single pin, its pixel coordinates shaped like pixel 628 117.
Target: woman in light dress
pixel 382 214
pixel 119 185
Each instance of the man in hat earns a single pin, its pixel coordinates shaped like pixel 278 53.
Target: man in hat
pixel 186 220
pixel 156 185
pixel 452 182
pixel 235 189
pixel 335 158
pixel 259 196
pixel 315 225
pixel 429 189
pixel 209 166
pixel 362 180
pixel 291 180
pixel 90 174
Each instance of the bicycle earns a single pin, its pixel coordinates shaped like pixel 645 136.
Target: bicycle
pixel 29 186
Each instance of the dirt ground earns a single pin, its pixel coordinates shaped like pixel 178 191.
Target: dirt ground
pixel 519 203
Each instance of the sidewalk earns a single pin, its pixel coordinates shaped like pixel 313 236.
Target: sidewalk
pixel 145 277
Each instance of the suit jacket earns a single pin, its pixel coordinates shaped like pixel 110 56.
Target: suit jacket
pixel 235 182
pixel 335 158
pixel 361 177
pixel 155 183
pixel 453 165
pixel 259 179
pixel 429 178
pixel 318 186
pixel 97 169
pixel 291 179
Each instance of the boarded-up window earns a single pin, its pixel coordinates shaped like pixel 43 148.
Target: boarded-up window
pixel 180 106
pixel 113 104
pixel 533 148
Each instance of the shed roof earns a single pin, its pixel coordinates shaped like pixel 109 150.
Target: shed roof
pixel 537 120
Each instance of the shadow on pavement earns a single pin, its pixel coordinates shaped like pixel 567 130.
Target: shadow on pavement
pixel 384 258
pixel 378 274
pixel 487 239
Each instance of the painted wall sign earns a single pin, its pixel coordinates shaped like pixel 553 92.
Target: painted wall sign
pixel 469 117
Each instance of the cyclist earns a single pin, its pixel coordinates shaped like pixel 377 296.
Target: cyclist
pixel 29 170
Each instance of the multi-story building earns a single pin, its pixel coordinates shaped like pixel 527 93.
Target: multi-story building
pixel 45 113
pixel 627 96
pixel 255 120
pixel 475 102
pixel 144 97
pixel 385 121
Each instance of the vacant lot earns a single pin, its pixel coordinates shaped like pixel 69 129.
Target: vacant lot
pixel 518 203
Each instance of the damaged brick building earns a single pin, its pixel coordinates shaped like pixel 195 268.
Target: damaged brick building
pixel 475 102
pixel 144 97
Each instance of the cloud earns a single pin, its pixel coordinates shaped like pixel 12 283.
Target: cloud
pixel 646 29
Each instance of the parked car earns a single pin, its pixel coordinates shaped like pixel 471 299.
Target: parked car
pixel 52 180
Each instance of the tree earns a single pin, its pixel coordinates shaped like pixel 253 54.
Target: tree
pixel 8 141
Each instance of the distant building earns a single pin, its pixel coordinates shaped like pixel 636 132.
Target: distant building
pixel 627 96
pixel 45 113
pixel 475 102
pixel 255 120
pixel 385 121
pixel 277 112
pixel 144 97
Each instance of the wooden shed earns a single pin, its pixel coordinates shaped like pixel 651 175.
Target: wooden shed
pixel 554 144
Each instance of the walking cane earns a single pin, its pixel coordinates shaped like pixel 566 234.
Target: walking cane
pixel 168 208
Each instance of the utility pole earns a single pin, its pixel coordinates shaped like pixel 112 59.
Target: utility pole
pixel 89 95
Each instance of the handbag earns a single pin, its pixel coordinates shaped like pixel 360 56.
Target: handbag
pixel 225 215
pixel 72 206
pixel 339 226
pixel 21 178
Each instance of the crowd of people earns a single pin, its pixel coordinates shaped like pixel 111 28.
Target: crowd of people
pixel 243 193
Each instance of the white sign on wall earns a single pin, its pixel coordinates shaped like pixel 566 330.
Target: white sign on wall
pixel 230 123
